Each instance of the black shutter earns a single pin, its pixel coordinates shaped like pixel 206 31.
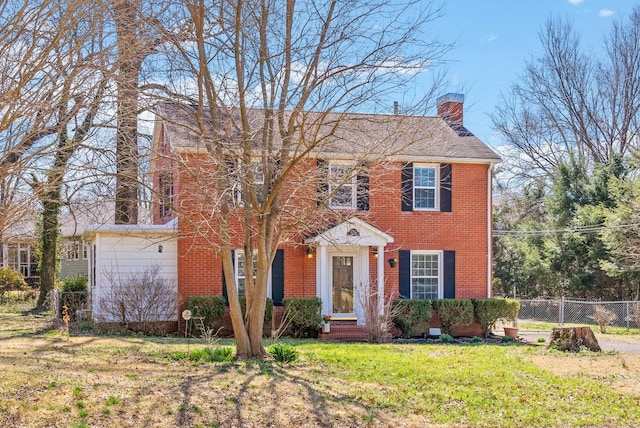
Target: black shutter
pixel 363 187
pixel 323 177
pixel 445 187
pixel 407 187
pixel 404 272
pixel 224 281
pixel 449 273
pixel 277 278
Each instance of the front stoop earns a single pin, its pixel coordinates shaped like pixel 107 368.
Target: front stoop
pixel 344 331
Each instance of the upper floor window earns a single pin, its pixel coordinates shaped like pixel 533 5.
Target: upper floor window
pixel 73 250
pixel 426 275
pixel 425 187
pixel 165 184
pixel 342 186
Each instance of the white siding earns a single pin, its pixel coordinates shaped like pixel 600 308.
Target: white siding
pixel 119 257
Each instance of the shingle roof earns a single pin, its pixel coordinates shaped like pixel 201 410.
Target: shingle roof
pixel 399 137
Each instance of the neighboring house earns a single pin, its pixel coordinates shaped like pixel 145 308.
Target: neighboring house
pixel 428 206
pixel 18 250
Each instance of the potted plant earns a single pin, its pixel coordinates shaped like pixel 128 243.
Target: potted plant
pixel 326 323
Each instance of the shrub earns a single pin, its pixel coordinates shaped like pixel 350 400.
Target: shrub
pixel 453 312
pixel 282 353
pixel 446 338
pixel 268 309
pixel 411 316
pixel 73 283
pixel 10 280
pixel 603 317
pixel 142 301
pixel 211 308
pixel 488 311
pixel 73 294
pixel 303 315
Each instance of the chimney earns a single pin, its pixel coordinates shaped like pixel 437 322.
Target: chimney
pixel 450 108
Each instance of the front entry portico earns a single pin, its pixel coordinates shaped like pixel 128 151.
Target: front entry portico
pixel 343 269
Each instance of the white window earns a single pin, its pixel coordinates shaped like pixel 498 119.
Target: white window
pixel 22 258
pixel 240 265
pixel 73 250
pixel 425 187
pixel 343 186
pixel 85 251
pixel 257 171
pixel 426 274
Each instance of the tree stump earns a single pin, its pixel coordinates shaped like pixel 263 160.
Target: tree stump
pixel 572 338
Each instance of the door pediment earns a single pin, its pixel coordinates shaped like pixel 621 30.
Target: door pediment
pixel 353 232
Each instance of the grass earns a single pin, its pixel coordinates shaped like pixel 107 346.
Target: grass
pixel 611 330
pixel 138 381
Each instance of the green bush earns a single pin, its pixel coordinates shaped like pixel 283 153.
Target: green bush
pixel 209 307
pixel 73 295
pixel 283 354
pixel 446 338
pixel 224 353
pixel 303 314
pixel 73 283
pixel 10 280
pixel 268 309
pixel 411 316
pixel 453 312
pixel 488 311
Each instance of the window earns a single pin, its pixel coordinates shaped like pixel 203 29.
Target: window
pixel 425 275
pixel 342 186
pixel 425 187
pixel 165 184
pixel 22 258
pixel 241 270
pixel 73 250
pixel 85 251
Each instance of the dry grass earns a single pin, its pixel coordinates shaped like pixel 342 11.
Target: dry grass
pixel 52 380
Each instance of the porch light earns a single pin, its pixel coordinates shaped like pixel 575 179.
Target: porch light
pixel 309 252
pixel 374 251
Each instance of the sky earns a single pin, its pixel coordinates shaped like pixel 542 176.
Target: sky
pixel 495 38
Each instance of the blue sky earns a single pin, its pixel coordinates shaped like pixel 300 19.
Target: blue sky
pixel 494 38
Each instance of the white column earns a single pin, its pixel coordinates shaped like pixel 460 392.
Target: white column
pixel 381 279
pixel 323 288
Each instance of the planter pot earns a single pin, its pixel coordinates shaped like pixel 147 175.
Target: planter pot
pixel 511 332
pixel 326 327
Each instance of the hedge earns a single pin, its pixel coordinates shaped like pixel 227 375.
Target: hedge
pixel 488 311
pixel 209 307
pixel 303 314
pixel 411 316
pixel 453 312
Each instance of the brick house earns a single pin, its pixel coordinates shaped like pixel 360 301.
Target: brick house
pixel 417 223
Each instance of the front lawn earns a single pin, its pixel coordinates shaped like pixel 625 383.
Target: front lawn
pixel 52 380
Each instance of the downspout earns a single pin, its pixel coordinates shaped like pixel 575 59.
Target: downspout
pixel 489 230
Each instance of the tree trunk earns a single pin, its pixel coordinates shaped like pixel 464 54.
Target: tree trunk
pixel 49 244
pixel 572 338
pixel 127 156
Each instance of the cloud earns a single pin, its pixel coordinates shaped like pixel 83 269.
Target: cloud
pixel 575 2
pixel 606 12
pixel 489 38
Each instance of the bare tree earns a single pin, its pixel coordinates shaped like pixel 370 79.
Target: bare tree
pixel 273 84
pixel 572 101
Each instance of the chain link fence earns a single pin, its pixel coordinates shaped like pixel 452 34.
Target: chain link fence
pixel 77 303
pixel 561 311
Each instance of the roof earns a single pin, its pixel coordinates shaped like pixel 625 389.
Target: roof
pixel 340 135
pixel 146 230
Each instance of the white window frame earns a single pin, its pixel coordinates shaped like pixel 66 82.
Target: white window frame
pixel 73 250
pixel 335 186
pixel 258 180
pixel 85 251
pixel 237 274
pixel 435 187
pixel 439 255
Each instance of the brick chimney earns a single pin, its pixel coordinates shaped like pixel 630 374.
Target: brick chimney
pixel 450 108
